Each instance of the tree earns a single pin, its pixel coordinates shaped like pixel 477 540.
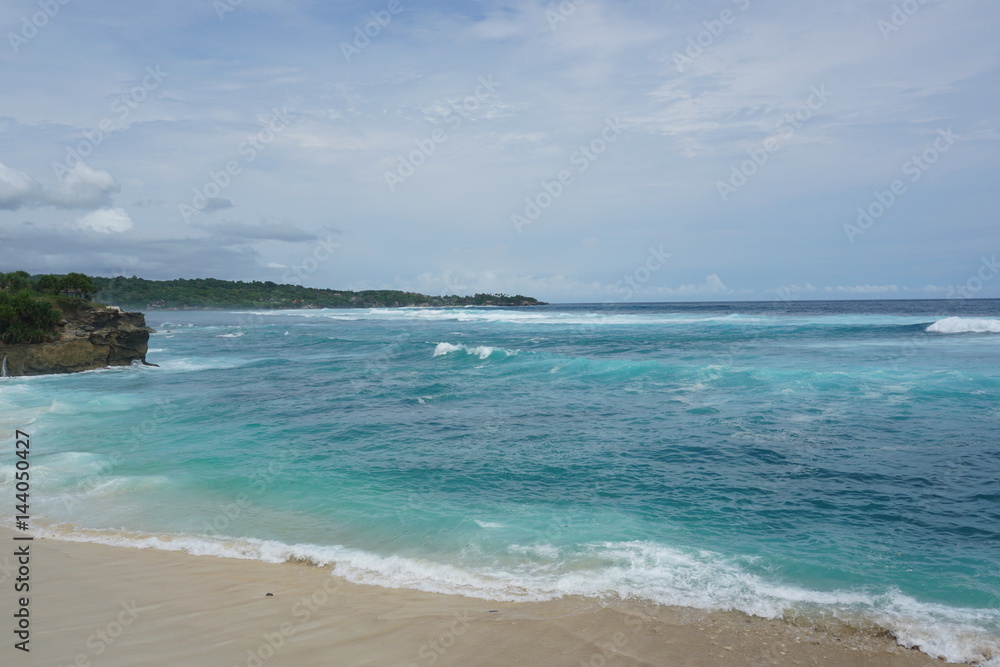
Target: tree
pixel 49 284
pixel 26 319
pixel 81 283
pixel 15 281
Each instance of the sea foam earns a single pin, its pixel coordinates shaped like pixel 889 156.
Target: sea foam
pixel 481 351
pixel 638 570
pixel 950 325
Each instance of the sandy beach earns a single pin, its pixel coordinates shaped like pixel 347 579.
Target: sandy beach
pixel 92 604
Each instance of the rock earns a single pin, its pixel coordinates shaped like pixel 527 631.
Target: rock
pixel 90 339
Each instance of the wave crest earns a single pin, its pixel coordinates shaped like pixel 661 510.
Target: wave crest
pixel 950 325
pixel 481 351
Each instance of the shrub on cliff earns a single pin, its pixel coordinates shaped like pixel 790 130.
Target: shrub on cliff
pixel 15 281
pixel 26 319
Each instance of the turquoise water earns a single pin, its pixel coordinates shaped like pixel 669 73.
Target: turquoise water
pixel 835 459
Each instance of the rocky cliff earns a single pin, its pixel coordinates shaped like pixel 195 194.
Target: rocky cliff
pixel 89 339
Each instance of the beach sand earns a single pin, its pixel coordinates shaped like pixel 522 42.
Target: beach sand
pixel 92 604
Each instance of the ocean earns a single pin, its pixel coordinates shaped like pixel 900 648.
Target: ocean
pixel 838 461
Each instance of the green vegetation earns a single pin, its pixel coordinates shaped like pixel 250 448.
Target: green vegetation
pixel 71 284
pixel 71 294
pixel 24 317
pixel 31 307
pixel 209 293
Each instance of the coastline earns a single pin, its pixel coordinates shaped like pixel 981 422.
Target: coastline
pixel 97 604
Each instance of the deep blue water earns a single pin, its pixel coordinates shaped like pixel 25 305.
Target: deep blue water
pixel 828 458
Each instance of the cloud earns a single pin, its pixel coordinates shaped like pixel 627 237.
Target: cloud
pixel 83 187
pixel 558 80
pixel 53 249
pixel 17 189
pixel 713 285
pixel 149 202
pixel 863 289
pixel 808 288
pixel 234 230
pixel 106 221
pixel 217 204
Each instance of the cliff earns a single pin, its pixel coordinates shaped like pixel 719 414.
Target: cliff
pixel 91 338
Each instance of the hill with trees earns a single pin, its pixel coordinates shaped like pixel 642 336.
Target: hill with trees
pixel 29 305
pixel 210 293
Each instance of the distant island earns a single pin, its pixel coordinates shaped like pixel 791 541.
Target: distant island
pixel 213 294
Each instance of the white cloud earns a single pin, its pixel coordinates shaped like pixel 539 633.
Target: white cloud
pixel 83 187
pixel 106 221
pixel 17 189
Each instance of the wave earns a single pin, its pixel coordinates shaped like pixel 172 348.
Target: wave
pixel 479 314
pixel 194 364
pixel 951 325
pixel 598 319
pixel 68 477
pixel 638 570
pixel 481 351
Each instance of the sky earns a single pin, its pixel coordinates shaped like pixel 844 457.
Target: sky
pixel 574 151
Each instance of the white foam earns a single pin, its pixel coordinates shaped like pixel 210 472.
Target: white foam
pixel 481 351
pixel 535 316
pixel 542 550
pixel 950 325
pixel 193 364
pixel 446 348
pixel 235 334
pixel 488 524
pixel 122 484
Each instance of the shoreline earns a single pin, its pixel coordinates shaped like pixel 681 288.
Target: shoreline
pixel 97 604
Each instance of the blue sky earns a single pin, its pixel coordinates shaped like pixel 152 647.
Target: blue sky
pixel 573 151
